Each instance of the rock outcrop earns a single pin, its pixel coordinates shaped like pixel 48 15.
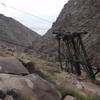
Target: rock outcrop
pixel 76 16
pixel 30 87
pixel 11 65
pixel 83 15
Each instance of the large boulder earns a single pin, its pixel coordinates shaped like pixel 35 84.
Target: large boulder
pixel 12 65
pixel 32 87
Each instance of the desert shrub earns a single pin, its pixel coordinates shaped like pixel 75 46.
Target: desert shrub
pixel 48 76
pixel 24 98
pixel 27 57
pixel 72 92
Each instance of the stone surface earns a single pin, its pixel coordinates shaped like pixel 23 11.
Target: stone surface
pixel 95 89
pixel 12 65
pixel 71 81
pixel 69 98
pixel 32 86
pixel 8 98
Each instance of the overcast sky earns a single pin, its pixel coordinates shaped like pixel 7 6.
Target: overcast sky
pixel 47 10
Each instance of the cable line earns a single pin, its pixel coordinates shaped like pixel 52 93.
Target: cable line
pixel 26 13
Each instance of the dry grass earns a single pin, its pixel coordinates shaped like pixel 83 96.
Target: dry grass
pixel 24 98
pixel 5 53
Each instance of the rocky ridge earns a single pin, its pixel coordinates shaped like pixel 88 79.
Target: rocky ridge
pixel 11 31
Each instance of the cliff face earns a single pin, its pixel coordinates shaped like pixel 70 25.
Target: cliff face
pixel 13 31
pixel 79 15
pixel 76 16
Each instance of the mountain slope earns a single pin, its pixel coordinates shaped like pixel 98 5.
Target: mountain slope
pixel 79 15
pixel 13 31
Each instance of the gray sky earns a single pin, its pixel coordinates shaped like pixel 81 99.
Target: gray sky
pixel 45 9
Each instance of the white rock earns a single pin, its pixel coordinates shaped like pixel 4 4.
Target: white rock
pixel 69 98
pixel 8 98
pixel 29 83
pixel 0 67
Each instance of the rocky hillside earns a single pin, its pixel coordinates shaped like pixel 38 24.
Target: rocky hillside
pixel 47 47
pixel 22 79
pixel 13 31
pixel 78 15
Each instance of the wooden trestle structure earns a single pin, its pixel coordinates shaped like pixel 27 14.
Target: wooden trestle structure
pixel 72 53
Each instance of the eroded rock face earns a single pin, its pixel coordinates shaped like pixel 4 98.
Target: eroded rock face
pixel 83 15
pixel 76 16
pixel 31 86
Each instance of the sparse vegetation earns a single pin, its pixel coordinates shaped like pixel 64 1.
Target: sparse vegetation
pixel 50 76
pixel 95 97
pixel 24 98
pixel 27 57
pixel 39 62
pixel 65 91
pixel 79 95
pixel 72 92
pixel 5 53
